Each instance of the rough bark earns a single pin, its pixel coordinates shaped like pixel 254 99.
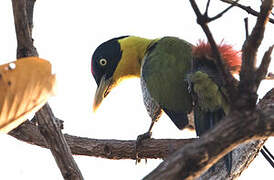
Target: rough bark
pixel 23 19
pixel 162 148
pixel 250 78
pixel 56 142
pixel 195 158
pixel 22 12
pixel 103 148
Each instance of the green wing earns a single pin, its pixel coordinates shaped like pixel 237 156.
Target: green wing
pixel 210 103
pixel 164 71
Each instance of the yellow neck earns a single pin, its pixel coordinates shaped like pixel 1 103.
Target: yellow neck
pixel 133 51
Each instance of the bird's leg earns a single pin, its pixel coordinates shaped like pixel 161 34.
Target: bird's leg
pixel 142 137
pixel 146 135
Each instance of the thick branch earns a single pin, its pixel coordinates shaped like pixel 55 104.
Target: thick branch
pixel 30 9
pixel 116 149
pixel 22 11
pixel 242 157
pixel 248 83
pixel 110 149
pixel 248 9
pixel 236 128
pixel 192 160
pixel 23 14
pixel 57 143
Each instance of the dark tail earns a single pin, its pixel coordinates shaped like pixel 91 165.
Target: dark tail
pixel 180 119
pixel 207 120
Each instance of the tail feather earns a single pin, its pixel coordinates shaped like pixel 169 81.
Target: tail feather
pixel 180 119
pixel 201 121
pixel 207 120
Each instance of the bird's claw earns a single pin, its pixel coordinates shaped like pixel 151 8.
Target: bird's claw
pixel 142 137
pixel 139 140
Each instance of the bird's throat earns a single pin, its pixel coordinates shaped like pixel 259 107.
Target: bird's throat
pixel 133 51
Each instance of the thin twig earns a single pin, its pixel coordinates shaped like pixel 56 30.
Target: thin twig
pixel 262 70
pixel 207 7
pixel 248 9
pixel 268 156
pixel 246 28
pixel 223 12
pixel 229 81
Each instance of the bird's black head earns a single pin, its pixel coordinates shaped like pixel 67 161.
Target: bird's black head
pixel 105 59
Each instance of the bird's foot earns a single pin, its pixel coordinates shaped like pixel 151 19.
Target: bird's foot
pixel 139 140
pixel 142 137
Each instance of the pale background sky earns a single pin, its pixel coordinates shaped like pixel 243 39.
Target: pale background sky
pixel 66 33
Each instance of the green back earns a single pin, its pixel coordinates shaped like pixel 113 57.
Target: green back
pixel 211 96
pixel 164 70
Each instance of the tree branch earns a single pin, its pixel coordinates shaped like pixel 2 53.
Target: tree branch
pixel 262 70
pixel 29 10
pixel 157 148
pixel 223 12
pixel 246 28
pixel 23 19
pixel 192 160
pixel 207 7
pixel 57 143
pixel 22 11
pixel 234 129
pixel 229 81
pixel 248 85
pixel 110 149
pixel 248 9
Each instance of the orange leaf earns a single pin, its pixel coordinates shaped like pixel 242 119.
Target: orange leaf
pixel 25 86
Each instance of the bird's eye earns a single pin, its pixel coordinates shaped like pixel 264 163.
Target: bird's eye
pixel 103 62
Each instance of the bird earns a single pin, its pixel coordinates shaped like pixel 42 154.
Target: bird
pixel 211 102
pixel 162 64
pixel 171 72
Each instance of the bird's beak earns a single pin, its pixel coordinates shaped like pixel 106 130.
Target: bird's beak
pixel 101 92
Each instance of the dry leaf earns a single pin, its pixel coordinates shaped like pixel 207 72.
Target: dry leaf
pixel 25 86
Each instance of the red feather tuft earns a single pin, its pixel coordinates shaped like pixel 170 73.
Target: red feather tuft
pixel 232 57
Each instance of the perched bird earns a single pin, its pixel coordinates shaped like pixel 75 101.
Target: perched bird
pixel 162 64
pixel 207 88
pixel 176 77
